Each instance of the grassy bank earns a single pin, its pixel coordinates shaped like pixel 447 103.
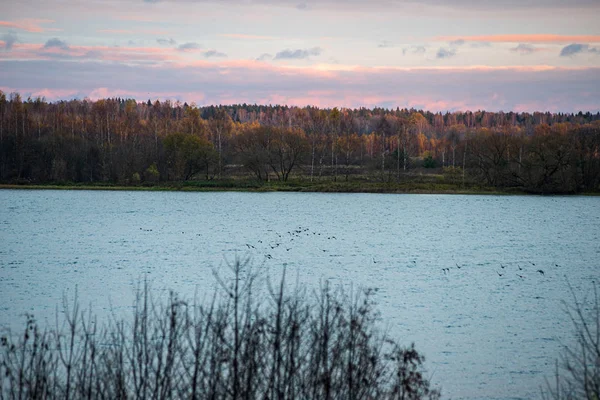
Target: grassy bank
pixel 291 186
pixel 415 183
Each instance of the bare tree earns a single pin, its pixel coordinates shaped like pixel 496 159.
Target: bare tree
pixel 577 374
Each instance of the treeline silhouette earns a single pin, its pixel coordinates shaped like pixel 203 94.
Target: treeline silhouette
pixel 292 345
pixel 122 141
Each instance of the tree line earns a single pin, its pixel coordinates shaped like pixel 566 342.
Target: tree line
pixel 123 141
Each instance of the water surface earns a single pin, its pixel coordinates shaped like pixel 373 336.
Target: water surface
pixel 486 331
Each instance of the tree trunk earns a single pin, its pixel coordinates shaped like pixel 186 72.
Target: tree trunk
pixel 398 161
pixel 453 155
pixel 383 155
pixel 220 152
pixel 464 162
pixel 312 161
pixel 404 155
pixel 333 158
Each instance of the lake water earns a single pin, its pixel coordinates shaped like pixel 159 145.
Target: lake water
pixel 483 335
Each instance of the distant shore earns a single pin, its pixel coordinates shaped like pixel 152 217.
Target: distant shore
pixel 295 186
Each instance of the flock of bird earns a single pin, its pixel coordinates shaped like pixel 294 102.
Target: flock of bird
pixel 504 270
pixel 284 241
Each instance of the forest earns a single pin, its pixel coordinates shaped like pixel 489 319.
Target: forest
pixel 125 142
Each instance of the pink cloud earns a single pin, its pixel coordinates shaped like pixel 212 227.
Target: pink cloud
pixel 519 38
pixel 526 49
pixel 52 94
pixel 29 25
pixel 245 81
pixel 30 51
pixel 174 58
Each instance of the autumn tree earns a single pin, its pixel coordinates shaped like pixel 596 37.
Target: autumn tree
pixel 221 126
pixel 334 119
pixel 384 128
pixel 288 146
pixel 266 149
pixel 454 136
pixel 587 162
pixel 252 145
pixel 489 157
pixel 2 126
pixel 188 155
pixel 119 140
pixel 548 162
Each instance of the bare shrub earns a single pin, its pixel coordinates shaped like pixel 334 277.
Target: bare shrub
pixel 577 374
pixel 290 345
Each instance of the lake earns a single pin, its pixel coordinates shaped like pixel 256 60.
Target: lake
pixel 490 329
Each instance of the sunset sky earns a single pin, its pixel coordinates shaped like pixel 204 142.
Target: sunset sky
pixel 519 55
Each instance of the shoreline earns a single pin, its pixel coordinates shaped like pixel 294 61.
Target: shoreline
pixel 329 187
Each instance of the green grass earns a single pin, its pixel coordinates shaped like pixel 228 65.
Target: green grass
pixel 416 183
pixel 290 186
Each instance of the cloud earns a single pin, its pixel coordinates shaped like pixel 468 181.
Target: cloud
pixel 264 57
pixel 236 81
pixel 56 43
pixel 524 49
pixel 92 55
pixel 127 54
pixel 522 38
pixel 576 48
pixel 457 42
pixel 165 42
pixel 385 45
pixel 29 24
pixel 214 53
pixel 414 50
pixel 378 5
pixel 445 53
pixel 189 46
pixel 9 40
pixel 299 54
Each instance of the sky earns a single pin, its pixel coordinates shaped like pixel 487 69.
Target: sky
pixel 437 55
